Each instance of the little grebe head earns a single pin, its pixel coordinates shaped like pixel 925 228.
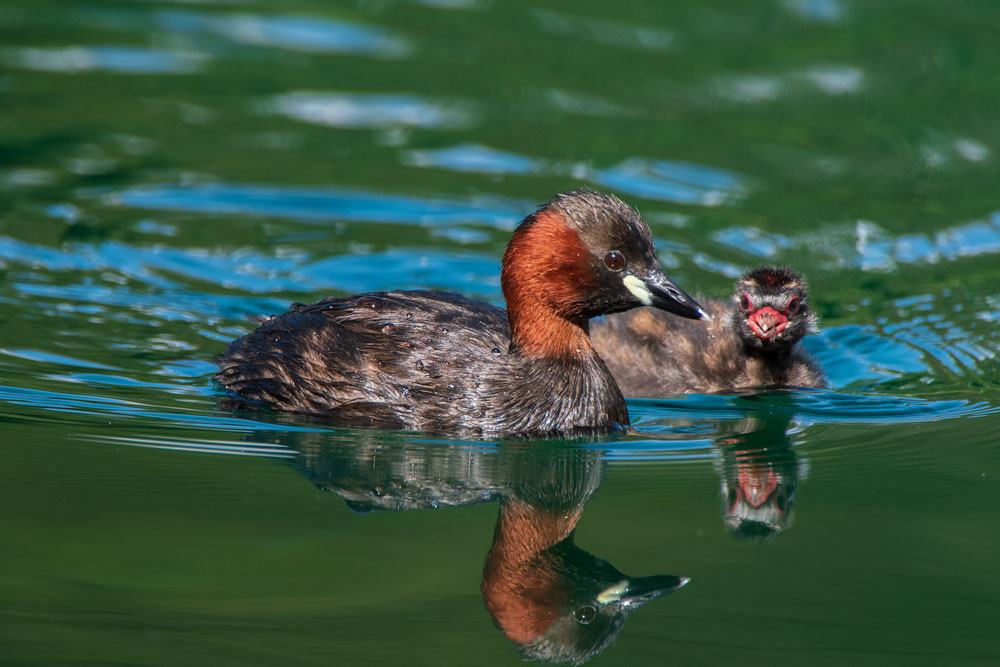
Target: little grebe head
pixel 581 255
pixel 771 309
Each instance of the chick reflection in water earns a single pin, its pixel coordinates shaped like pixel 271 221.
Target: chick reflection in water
pixel 759 475
pixel 552 599
pixel 758 470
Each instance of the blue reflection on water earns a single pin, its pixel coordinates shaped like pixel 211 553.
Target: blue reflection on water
pixel 472 273
pixel 300 33
pixel 826 11
pixel 753 241
pixel 323 204
pixel 946 344
pixel 680 182
pixel 473 158
pixel 371 110
pixel 865 245
pixel 177 306
pixel 103 406
pixel 678 429
pixel 854 353
pixel 808 407
pixel 121 59
pixel 57 359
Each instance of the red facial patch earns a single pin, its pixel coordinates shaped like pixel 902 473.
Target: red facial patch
pixel 756 485
pixel 767 323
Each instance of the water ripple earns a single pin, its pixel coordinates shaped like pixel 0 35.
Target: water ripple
pixel 200 446
pixel 253 272
pixel 605 31
pixel 472 273
pixel 806 407
pixel 121 59
pixel 473 158
pixel 948 345
pixel 679 182
pixel 298 33
pixel 103 406
pixel 826 78
pixel 173 306
pixel 321 204
pixel 370 110
pixel 57 359
pixel 585 104
pixel 867 246
pixel 853 353
pixel 824 11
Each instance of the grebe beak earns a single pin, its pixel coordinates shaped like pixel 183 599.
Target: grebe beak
pixel 640 590
pixel 658 290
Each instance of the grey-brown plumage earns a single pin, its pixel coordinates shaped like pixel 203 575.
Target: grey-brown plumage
pixel 752 341
pixel 415 360
pixel 433 361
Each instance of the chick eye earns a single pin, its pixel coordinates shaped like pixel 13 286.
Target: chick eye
pixel 782 500
pixel 794 305
pixel 745 304
pixel 584 615
pixel 615 261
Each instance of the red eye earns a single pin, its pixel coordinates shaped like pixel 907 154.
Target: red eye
pixel 584 615
pixel 745 304
pixel 614 260
pixel 794 305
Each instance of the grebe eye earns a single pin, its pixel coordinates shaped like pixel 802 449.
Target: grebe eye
pixel 745 304
pixel 615 261
pixel 794 305
pixel 584 615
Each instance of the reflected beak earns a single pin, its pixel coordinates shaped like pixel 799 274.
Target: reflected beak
pixel 658 290
pixel 643 589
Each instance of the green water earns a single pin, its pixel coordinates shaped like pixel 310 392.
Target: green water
pixel 169 171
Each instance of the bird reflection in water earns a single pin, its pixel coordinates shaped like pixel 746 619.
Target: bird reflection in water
pixel 758 470
pixel 553 600
pixel 759 474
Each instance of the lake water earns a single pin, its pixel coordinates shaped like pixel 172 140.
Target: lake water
pixel 171 170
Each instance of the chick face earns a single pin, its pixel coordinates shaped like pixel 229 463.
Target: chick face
pixel 771 309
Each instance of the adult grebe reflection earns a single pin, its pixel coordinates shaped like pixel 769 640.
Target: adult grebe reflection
pixel 759 475
pixel 557 602
pixel 552 599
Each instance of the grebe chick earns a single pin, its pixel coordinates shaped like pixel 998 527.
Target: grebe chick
pixel 751 342
pixel 434 361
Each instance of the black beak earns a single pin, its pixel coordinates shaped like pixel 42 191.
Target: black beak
pixel 666 295
pixel 643 589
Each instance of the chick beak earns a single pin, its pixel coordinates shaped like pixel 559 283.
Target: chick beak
pixel 658 290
